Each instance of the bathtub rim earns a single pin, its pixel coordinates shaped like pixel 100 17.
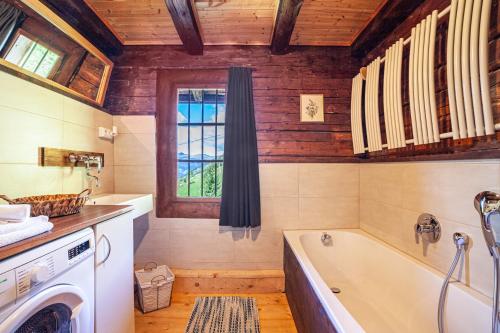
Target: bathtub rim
pixel 343 320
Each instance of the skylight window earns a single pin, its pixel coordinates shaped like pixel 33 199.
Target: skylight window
pixel 33 56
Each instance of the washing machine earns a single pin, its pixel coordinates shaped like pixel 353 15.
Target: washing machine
pixel 50 288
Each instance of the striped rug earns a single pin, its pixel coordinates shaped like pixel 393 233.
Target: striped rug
pixel 229 314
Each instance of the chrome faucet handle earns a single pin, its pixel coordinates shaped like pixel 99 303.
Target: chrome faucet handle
pixel 428 224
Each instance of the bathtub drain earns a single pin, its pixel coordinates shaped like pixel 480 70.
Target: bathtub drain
pixel 335 290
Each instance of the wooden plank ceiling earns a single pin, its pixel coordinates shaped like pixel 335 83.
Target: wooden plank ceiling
pixel 137 22
pixel 238 22
pixel 333 22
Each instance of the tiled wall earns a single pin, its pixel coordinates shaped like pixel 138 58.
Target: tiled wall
pixel 384 199
pixel 294 196
pixel 392 196
pixel 33 117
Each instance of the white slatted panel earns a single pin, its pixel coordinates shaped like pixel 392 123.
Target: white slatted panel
pixel 483 67
pixel 387 100
pixel 467 67
pixel 467 77
pixel 356 119
pixel 371 106
pixel 432 85
pixel 411 87
pixel 474 69
pixel 393 104
pixel 422 89
pixel 399 126
pixel 465 62
pixel 420 83
pixel 449 70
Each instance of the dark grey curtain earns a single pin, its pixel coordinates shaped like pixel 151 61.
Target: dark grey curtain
pixel 10 17
pixel 240 206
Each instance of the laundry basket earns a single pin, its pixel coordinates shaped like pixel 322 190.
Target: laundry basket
pixel 154 286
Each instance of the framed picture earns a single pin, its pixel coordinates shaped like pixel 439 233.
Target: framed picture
pixel 312 109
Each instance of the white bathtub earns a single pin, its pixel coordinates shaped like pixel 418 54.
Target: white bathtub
pixel 382 289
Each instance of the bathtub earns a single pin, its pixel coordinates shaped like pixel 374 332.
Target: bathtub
pixel 382 289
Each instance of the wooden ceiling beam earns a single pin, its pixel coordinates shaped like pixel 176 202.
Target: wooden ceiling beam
pixel 288 11
pixel 81 17
pixel 391 15
pixel 185 23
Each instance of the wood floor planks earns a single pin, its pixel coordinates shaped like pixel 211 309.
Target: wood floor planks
pixel 274 314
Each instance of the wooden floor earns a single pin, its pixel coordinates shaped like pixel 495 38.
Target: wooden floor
pixel 274 314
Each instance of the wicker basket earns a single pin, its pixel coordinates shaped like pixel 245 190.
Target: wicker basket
pixel 53 205
pixel 154 286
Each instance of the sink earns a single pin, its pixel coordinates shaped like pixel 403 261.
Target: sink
pixel 142 203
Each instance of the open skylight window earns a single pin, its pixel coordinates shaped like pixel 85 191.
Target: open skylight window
pixel 33 56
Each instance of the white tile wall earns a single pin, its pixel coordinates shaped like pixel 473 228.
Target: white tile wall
pixel 383 199
pixel 33 117
pixel 392 196
pixel 293 196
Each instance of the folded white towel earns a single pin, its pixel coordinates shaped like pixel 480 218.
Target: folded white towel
pixel 7 227
pixel 14 213
pixel 32 230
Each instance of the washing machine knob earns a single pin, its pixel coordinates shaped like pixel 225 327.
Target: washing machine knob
pixel 40 273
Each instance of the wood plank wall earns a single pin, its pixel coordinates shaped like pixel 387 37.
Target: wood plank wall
pixel 484 147
pixel 278 83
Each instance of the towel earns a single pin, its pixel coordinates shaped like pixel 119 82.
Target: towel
pixel 14 213
pixel 8 227
pixel 30 231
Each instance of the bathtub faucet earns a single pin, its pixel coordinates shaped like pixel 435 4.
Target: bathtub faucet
pixel 428 224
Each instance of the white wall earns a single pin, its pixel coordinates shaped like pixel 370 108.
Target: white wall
pixel 294 196
pixel 392 196
pixel 33 117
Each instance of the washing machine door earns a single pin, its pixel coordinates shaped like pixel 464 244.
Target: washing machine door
pixel 58 309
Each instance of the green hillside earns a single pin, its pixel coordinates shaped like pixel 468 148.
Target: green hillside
pixel 208 183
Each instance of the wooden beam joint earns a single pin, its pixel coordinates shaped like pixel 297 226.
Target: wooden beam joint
pixel 185 23
pixel 288 11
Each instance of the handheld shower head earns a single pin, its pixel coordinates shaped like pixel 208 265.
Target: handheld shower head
pixel 488 206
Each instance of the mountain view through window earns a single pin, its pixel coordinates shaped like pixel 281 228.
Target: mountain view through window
pixel 200 142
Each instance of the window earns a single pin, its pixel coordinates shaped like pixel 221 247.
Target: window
pixel 190 108
pixel 33 56
pixel 200 142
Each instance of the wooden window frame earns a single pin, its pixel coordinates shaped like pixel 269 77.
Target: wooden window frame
pixel 168 82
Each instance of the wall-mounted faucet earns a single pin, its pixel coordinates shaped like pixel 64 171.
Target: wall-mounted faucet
pixel 89 161
pixel 428 224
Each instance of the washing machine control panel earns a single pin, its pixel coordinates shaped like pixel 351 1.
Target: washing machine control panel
pixel 40 270
pixel 34 273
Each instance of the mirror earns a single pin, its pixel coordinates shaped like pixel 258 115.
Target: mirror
pixel 39 45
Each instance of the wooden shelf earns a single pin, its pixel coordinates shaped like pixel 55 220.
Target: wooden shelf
pixel 60 157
